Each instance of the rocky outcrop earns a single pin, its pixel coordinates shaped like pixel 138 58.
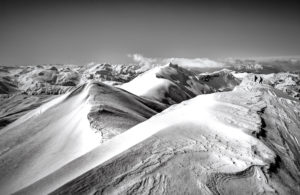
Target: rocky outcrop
pixel 222 80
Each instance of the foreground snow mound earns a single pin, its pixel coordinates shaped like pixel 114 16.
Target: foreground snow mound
pixel 172 84
pixel 64 129
pixel 242 142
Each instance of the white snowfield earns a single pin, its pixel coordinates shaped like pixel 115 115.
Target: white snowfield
pixel 61 130
pixel 60 133
pixel 221 125
pixel 148 85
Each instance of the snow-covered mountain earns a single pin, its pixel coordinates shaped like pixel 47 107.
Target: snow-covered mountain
pixel 65 128
pixel 117 129
pixel 172 84
pixel 243 141
pixel 23 88
pixel 56 79
pixel 266 65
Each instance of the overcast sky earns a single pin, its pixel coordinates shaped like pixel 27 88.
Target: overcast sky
pixel 78 32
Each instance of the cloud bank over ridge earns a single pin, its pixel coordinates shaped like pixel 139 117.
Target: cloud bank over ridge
pixel 258 65
pixel 186 62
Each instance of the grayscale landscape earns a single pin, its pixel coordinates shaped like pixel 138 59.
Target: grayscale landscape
pixel 105 119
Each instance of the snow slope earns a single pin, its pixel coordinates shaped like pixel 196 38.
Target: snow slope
pixel 172 84
pixel 15 106
pixel 64 129
pixel 244 141
pixel 148 85
pixel 44 140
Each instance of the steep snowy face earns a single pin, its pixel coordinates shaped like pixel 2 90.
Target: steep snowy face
pixel 172 84
pixel 169 84
pixel 23 88
pixel 64 129
pixel 114 110
pixel 44 140
pixel 243 141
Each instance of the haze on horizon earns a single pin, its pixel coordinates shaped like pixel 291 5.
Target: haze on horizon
pixel 78 32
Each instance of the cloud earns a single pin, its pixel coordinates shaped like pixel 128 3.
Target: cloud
pixel 185 62
pixel 270 64
pixel 143 60
pixel 194 62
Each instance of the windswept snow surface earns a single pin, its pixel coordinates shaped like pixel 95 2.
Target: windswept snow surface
pixel 100 139
pixel 44 140
pixel 211 144
pixel 64 129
